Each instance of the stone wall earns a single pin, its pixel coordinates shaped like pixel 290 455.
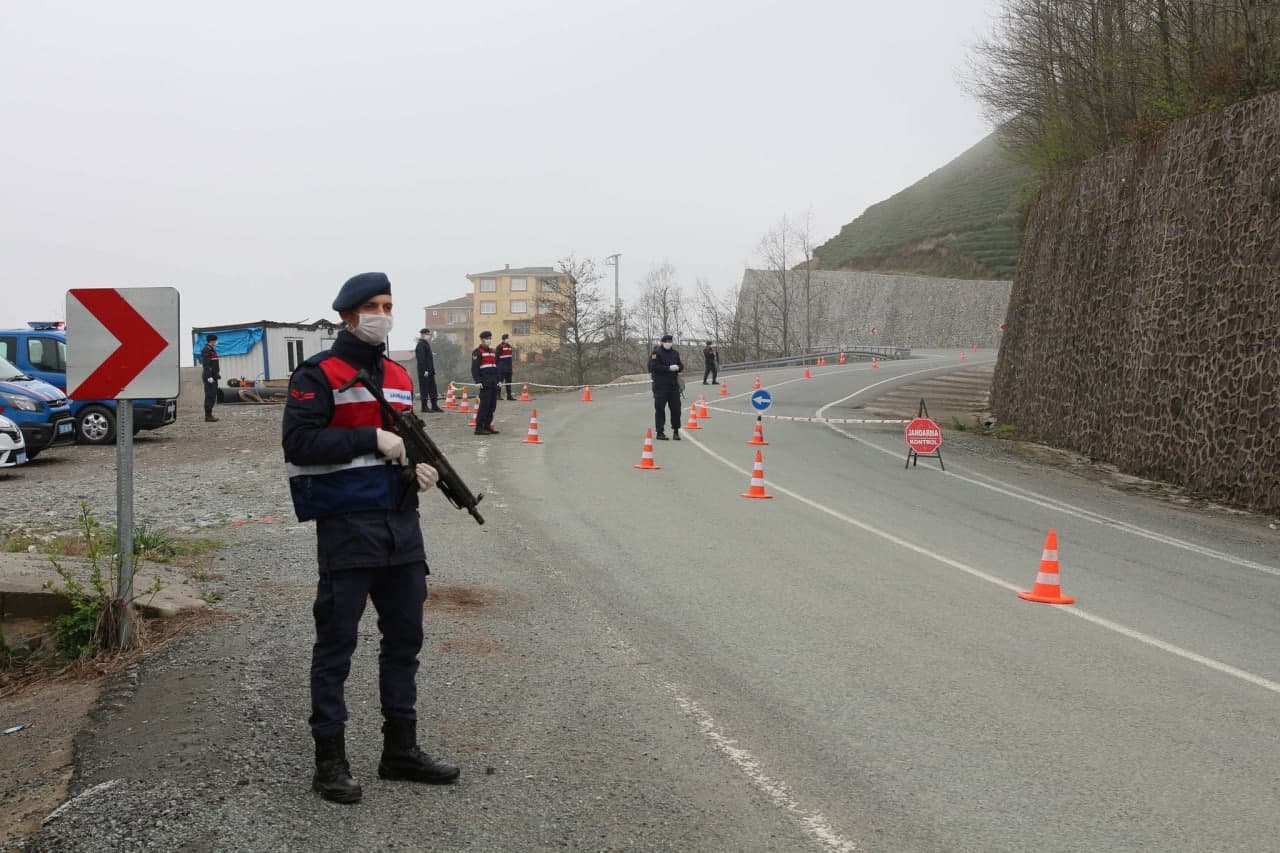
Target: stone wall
pixel 905 310
pixel 1143 322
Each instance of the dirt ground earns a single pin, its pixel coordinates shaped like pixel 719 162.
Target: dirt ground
pixel 36 763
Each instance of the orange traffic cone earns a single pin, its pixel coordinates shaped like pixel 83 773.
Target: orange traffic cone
pixel 962 355
pixel 757 479
pixel 1047 590
pixel 842 356
pixel 758 436
pixel 449 401
pixel 532 437
pixel 524 394
pixel 475 414
pixel 586 394
pixel 724 389
pixel 693 417
pixel 463 408
pixel 822 362
pixel 874 364
pixel 646 455
pixel 703 414
pixel 756 387
pixel 806 373
pixel 975 347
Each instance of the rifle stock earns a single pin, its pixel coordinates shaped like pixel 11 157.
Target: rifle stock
pixel 420 448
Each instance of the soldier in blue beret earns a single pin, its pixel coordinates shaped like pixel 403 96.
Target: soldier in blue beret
pixel 344 467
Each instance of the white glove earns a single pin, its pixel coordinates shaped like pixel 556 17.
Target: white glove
pixel 211 380
pixel 674 368
pixel 427 476
pixel 391 446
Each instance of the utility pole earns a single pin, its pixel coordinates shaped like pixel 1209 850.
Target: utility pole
pixel 615 262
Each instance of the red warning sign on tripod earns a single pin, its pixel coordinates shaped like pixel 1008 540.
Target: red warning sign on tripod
pixel 924 438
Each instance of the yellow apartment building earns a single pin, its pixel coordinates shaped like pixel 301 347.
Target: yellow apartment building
pixel 522 303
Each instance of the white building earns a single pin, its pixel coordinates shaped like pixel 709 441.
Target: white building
pixel 264 350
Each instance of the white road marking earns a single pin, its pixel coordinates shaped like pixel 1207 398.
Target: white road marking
pixel 1154 642
pixel 814 822
pixel 1023 494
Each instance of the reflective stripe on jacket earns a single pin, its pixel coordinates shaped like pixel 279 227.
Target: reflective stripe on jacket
pixel 367 482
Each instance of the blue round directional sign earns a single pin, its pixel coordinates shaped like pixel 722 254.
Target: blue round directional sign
pixel 761 400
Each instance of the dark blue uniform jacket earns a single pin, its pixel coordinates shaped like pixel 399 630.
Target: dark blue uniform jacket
pixel 357 539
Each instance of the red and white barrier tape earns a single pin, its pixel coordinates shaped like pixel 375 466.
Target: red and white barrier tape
pixel 795 419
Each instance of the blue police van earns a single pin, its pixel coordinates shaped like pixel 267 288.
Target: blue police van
pixel 40 411
pixel 41 352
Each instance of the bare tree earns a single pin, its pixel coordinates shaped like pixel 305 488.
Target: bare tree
pixel 776 250
pixel 1067 79
pixel 804 239
pixel 660 309
pixel 578 315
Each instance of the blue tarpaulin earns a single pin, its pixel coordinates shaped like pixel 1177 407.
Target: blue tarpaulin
pixel 230 341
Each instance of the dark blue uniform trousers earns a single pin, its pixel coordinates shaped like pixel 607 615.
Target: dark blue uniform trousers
pixel 488 405
pixel 664 398
pixel 398 594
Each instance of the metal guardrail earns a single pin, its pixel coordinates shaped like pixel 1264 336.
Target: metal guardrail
pixel 829 355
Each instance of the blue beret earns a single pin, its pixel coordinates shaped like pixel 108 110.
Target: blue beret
pixel 359 289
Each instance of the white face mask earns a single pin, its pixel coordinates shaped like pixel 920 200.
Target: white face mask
pixel 373 328
pixel 666 344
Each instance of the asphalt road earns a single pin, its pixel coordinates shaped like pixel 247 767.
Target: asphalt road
pixel 644 660
pixel 855 650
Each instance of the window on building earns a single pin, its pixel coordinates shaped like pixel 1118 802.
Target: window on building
pixel 488 285
pixel 520 328
pixel 549 285
pixel 488 308
pixel 296 357
pixel 457 318
pixel 519 306
pixel 546 307
pixel 519 284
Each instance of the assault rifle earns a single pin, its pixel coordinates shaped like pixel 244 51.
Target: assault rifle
pixel 420 448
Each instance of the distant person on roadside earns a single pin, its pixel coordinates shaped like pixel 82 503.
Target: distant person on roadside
pixel 711 361
pixel 484 370
pixel 427 372
pixel 506 362
pixel 209 375
pixel 345 471
pixel 664 369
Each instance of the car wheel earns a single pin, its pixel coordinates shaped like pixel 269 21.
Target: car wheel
pixel 96 425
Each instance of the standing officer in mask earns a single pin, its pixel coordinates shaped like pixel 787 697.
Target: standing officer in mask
pixel 664 368
pixel 426 372
pixel 484 370
pixel 506 362
pixel 344 465
pixel 209 375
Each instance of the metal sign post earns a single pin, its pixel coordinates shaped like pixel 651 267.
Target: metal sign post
pixel 124 519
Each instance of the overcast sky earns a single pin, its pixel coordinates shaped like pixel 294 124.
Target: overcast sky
pixel 255 155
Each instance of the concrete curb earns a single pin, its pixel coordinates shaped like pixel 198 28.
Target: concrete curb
pixel 23 592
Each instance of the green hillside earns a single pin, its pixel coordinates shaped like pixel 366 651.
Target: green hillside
pixel 961 221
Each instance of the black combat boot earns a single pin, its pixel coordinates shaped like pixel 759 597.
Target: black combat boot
pixel 662 436
pixel 436 408
pixel 402 759
pixel 675 433
pixel 333 775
